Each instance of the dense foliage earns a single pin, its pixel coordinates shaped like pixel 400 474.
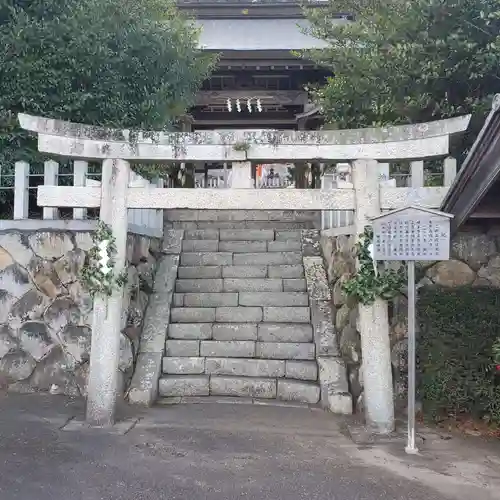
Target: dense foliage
pixel 118 63
pixel 459 328
pixel 407 61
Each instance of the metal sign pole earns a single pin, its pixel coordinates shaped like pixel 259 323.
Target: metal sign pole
pixel 410 446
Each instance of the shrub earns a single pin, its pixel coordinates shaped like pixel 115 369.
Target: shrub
pixel 458 329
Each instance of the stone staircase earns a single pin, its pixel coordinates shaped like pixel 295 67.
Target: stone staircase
pixel 240 323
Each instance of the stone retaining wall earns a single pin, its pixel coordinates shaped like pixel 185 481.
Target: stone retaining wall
pixel 46 314
pixel 474 260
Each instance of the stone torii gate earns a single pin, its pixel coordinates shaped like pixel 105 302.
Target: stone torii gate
pixel 365 148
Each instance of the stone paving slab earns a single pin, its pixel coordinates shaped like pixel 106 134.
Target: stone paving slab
pixel 199 272
pixel 234 331
pixel 244 271
pixel 273 299
pixel 268 258
pixel 190 331
pixel 252 285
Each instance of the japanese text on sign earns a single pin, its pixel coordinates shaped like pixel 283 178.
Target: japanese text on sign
pixel 411 238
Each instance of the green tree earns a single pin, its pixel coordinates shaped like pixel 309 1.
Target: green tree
pixel 407 61
pixel 116 63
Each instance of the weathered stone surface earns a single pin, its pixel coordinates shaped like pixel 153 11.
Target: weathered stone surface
pixel 342 317
pixel 16 365
pixel 50 246
pixel 246 235
pixel 285 350
pixel 341 404
pixel 235 331
pixel 190 331
pixel 245 367
pixel 228 348
pixel 291 271
pixel 45 277
pixel 18 249
pixel 489 275
pixel 294 285
pixel 207 259
pixel 183 366
pixel 5 259
pixel 252 285
pixel 287 315
pixel 29 307
pixel 243 387
pixel 172 241
pixel 55 373
pixel 332 376
pixel 203 234
pixel 294 390
pixel 267 258
pixel 193 315
pixel 273 299
pixel 76 341
pixel 474 249
pixel 188 385
pixel 310 243
pixel 34 338
pixel 126 354
pixel 210 299
pixel 325 337
pixel 238 314
pixel 243 246
pixel 147 270
pixel 144 386
pixel 69 266
pixel 15 281
pixel 283 332
pixel 338 294
pixel 317 284
pixel 7 341
pixel 202 246
pixel 81 378
pixel 80 296
pixel 178 300
pixel 200 272
pixel 155 322
pixel 301 370
pixel 350 344
pixel 83 241
pixel 166 273
pixel 451 273
pixel 6 302
pixel 244 271
pixel 181 348
pixel 283 246
pixel 199 285
pixel 287 235
pixel 60 313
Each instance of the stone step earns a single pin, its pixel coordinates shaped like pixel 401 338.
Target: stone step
pixel 227 348
pixel 283 246
pixel 285 350
pixel 246 387
pixel 192 331
pixel 284 332
pixel 273 299
pixel 193 315
pixel 252 285
pixel 301 370
pixel 298 391
pixel 287 315
pixel 244 271
pixel 210 299
pixel 234 331
pixel 184 385
pixel 294 285
pixel 245 367
pixel 238 315
pixel 200 272
pixel 200 245
pixel 244 246
pixel 199 285
pixel 201 234
pixel 208 258
pixel 266 258
pixel 246 234
pixel 292 271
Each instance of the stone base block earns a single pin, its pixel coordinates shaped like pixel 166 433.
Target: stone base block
pixel 243 387
pixel 245 367
pixel 301 370
pixel 144 386
pixel 293 390
pixel 189 385
pixel 339 403
pixel 183 366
